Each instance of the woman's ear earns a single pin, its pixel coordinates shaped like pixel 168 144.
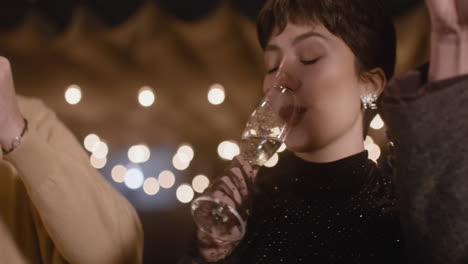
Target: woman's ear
pixel 373 81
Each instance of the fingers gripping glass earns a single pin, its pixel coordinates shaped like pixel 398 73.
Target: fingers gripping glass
pixel 223 208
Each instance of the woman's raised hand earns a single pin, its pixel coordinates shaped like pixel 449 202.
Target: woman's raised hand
pixel 11 120
pixel 449 38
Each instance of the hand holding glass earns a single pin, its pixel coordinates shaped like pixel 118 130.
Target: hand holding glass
pixel 223 208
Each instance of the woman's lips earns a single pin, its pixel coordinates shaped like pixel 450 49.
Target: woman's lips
pixel 298 116
pixel 292 115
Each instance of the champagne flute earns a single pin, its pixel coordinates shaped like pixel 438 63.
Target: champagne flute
pixel 264 133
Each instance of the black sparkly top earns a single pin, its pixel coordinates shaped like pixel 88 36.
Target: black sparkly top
pixel 338 212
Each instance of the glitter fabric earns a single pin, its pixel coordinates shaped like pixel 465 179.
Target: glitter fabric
pixel 338 212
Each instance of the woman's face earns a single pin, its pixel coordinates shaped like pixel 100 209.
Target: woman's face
pixel 321 70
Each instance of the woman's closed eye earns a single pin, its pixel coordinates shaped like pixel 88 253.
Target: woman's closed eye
pixel 304 62
pixel 309 62
pixel 273 69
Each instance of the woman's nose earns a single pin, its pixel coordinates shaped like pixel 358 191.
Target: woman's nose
pixel 283 78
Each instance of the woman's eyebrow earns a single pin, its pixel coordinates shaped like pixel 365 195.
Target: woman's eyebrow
pixel 296 40
pixel 271 47
pixel 306 36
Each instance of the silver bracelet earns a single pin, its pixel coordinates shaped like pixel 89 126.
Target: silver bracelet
pixel 15 143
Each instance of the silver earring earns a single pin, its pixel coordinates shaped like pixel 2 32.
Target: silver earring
pixel 369 101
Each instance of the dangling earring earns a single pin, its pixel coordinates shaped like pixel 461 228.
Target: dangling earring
pixel 369 101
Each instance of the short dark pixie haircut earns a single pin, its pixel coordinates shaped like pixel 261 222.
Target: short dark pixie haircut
pixel 363 25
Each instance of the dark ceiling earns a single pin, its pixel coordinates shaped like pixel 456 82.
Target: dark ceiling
pixel 113 13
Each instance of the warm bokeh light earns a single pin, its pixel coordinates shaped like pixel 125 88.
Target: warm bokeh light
pixel 374 152
pixel 216 94
pixel 166 179
pixel 282 148
pixel 373 149
pixel 228 150
pixel 183 158
pixel 377 122
pixel 90 141
pixel 73 94
pixel 184 193
pixel 146 96
pixel 100 150
pixel 179 162
pixel 221 148
pixel 200 183
pixel 134 178
pixel 118 173
pixel 97 162
pixel 139 153
pixel 151 186
pixel 187 151
pixel 272 161
pixel 368 141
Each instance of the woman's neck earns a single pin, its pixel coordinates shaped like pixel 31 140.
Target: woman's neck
pixel 348 144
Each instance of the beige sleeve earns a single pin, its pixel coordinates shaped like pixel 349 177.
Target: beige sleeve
pixel 87 220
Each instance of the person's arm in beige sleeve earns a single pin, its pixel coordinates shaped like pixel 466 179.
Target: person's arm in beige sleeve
pixel 87 220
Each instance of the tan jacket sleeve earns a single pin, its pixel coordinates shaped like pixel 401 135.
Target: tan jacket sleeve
pixel 87 220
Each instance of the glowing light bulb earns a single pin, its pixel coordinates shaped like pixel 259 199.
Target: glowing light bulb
pixel 200 183
pixel 272 161
pixel 139 153
pixel 377 123
pixel 146 96
pixel 228 150
pixel 134 178
pixel 73 94
pixel 118 173
pixel 184 193
pixel 90 141
pixel 216 94
pixel 151 186
pixel 166 179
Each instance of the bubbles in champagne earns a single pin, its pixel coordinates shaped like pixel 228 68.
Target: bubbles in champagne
pixel 258 150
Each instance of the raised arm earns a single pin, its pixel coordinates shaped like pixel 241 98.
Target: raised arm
pixel 449 38
pixel 84 217
pixel 427 117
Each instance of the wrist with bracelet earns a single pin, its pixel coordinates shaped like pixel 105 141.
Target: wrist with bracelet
pixel 17 140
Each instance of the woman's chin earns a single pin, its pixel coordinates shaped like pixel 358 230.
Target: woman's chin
pixel 300 143
pixel 295 145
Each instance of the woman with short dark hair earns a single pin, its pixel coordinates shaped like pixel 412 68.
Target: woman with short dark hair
pixel 325 202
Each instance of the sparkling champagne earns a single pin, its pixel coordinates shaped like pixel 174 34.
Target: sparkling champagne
pixel 258 150
pixel 214 211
